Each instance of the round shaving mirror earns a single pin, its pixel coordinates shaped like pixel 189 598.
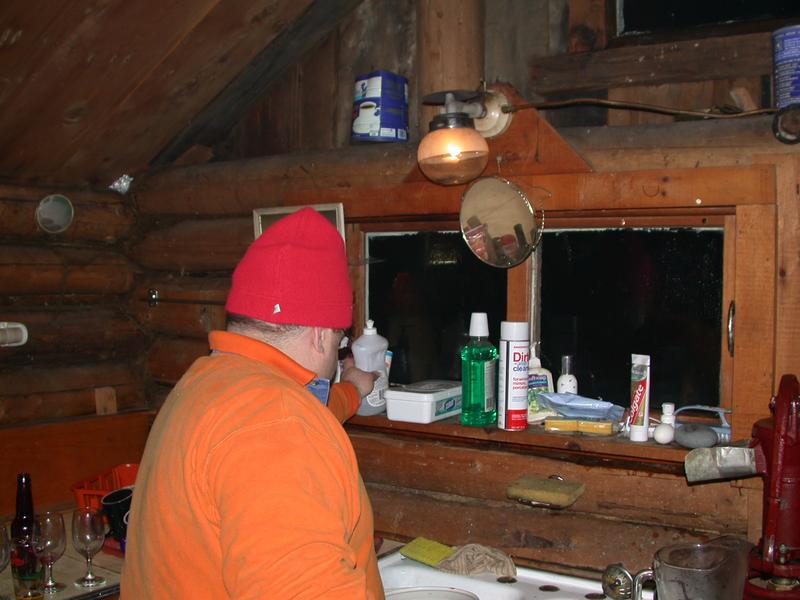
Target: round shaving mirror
pixel 54 213
pixel 499 223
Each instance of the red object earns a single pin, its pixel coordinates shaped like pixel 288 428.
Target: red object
pixel 295 273
pixel 89 492
pixel 776 441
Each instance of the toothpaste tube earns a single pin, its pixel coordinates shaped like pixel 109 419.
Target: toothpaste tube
pixel 639 417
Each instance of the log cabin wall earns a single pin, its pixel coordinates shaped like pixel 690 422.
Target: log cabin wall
pixel 438 481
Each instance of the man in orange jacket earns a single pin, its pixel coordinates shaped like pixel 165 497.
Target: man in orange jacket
pixel 249 486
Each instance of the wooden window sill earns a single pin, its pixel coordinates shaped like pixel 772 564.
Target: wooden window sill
pixel 612 451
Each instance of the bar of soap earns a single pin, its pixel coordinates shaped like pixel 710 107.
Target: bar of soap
pixel 561 425
pixel 553 493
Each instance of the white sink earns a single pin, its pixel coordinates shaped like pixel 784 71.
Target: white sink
pixel 399 572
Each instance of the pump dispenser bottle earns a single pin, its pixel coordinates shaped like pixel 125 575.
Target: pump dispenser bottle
pixel 567 382
pixel 540 379
pixel 478 375
pixel 369 352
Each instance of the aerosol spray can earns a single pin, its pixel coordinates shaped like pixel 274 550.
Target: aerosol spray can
pixel 512 381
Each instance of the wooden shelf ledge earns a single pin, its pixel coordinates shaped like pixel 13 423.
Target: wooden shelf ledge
pixel 611 451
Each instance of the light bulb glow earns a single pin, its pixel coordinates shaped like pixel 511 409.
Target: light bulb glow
pixel 454 151
pixel 453 155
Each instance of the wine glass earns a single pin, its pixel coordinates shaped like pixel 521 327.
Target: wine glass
pixel 88 535
pixel 49 543
pixel 5 552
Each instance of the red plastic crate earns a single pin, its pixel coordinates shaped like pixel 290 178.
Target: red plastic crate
pixel 90 491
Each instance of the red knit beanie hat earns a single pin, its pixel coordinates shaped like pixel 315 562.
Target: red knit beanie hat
pixel 295 273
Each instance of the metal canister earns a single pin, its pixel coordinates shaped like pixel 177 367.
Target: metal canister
pixel 786 66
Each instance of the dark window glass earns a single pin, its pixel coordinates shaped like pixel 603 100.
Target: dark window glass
pixel 607 294
pixel 421 289
pixel 649 16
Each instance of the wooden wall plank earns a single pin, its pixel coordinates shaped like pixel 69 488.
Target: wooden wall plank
pixel 63 270
pixel 198 67
pixel 552 540
pixel 584 191
pixel 84 44
pixel 75 333
pixel 623 494
pixel 26 380
pixel 182 319
pixel 99 216
pixel 308 24
pixel 787 289
pixel 754 328
pixel 49 406
pixel 747 55
pixel 58 455
pixel 169 358
pixel 173 287
pixel 195 245
pixel 236 188
pixel 443 26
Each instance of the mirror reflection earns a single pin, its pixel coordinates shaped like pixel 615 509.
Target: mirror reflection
pixel 498 222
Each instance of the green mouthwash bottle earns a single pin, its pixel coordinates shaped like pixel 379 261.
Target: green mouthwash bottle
pixel 478 375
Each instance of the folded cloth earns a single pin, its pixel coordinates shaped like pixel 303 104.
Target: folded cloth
pixel 474 559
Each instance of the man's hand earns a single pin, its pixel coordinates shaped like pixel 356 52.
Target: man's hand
pixel 363 380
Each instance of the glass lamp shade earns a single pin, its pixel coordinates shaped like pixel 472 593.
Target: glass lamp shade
pixel 453 152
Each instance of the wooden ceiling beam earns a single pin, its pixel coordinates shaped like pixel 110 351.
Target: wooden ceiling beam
pixel 224 111
pixel 690 60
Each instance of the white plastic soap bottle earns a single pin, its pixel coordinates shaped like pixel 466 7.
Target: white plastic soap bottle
pixel 540 379
pixel 369 352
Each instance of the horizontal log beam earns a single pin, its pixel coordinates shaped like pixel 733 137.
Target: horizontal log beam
pixel 99 217
pixel 625 494
pixel 621 190
pixel 195 245
pixel 237 187
pixel 549 539
pixel 74 333
pixel 26 380
pixel 177 288
pixel 184 319
pixel 59 455
pixel 690 60
pixel 62 270
pixel 169 358
pixel 49 406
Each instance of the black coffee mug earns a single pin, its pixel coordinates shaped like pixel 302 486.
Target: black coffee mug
pixel 116 505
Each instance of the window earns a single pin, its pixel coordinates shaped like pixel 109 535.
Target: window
pixel 605 293
pixel 645 16
pixel 421 289
pixel 608 293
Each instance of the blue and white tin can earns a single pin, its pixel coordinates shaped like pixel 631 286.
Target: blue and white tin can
pixel 786 66
pixel 380 107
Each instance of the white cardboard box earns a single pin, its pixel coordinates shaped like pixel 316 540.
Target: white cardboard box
pixel 424 401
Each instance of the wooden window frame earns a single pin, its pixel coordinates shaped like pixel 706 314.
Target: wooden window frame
pixel 743 197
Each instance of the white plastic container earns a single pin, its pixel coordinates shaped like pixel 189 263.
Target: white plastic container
pixel 424 401
pixel 369 352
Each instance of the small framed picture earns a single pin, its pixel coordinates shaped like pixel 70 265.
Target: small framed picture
pixel 264 217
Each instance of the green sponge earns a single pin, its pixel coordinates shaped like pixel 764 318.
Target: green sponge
pixel 426 551
pixel 552 493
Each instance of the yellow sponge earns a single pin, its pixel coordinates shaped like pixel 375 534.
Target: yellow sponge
pixel 552 493
pixel 426 551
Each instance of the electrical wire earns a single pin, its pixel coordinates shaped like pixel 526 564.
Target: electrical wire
pixel 665 110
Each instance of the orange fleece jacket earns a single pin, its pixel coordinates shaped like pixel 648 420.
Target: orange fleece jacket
pixel 249 488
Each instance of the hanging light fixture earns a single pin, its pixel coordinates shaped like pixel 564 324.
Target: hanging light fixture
pixel 455 150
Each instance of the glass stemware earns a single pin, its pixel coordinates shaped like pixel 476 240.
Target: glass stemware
pixel 49 543
pixel 5 551
pixel 88 535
